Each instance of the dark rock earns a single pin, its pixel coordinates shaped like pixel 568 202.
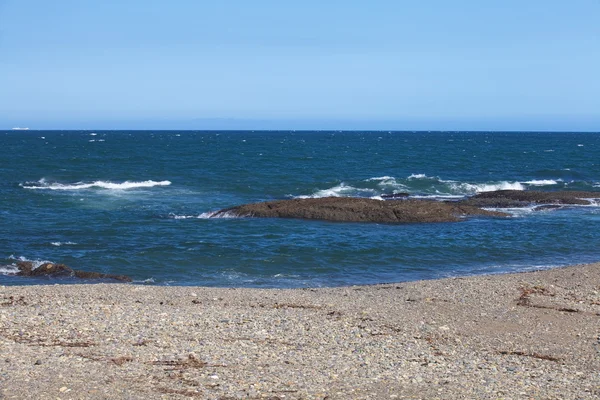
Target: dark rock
pixel 513 197
pixel 347 209
pixel 51 269
pixel 26 268
pixel 494 202
pixel 98 275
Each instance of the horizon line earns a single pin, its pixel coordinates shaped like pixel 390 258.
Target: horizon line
pixel 23 130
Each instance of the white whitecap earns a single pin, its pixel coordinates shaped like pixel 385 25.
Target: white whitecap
pixel 492 187
pixel 380 178
pixel 58 244
pixel 420 176
pixel 173 216
pixel 541 182
pixel 514 211
pixel 217 214
pixel 8 269
pixel 35 263
pixel 42 184
pixel 440 196
pixel 341 190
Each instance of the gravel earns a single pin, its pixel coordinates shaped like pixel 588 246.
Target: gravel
pixel 513 336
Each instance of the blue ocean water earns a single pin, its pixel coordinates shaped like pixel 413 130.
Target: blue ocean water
pixel 137 202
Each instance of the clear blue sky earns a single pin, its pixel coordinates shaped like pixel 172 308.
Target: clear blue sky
pixel 489 65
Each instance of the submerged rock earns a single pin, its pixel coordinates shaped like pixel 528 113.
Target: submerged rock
pixel 348 209
pixel 27 268
pixel 523 198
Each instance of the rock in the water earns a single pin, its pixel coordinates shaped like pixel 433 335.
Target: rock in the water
pixel 523 198
pixel 98 275
pixel 27 268
pixel 347 209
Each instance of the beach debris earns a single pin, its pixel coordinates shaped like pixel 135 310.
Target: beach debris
pixel 121 360
pixel 533 355
pixel 190 362
pixel 524 299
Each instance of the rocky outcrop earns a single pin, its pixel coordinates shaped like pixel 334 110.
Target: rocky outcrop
pixel 27 268
pixel 347 209
pixel 523 198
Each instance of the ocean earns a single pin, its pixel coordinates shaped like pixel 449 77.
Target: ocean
pixel 138 203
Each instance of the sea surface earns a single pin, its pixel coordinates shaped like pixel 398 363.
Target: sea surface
pixel 137 203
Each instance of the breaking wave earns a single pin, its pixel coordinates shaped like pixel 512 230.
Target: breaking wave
pixel 206 215
pixel 421 186
pixel 341 190
pixel 12 269
pixel 58 244
pixel 42 184
pixel 541 182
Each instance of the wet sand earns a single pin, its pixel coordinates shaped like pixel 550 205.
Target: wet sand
pixel 514 336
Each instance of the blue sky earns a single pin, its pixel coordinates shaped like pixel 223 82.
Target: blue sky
pixel 183 64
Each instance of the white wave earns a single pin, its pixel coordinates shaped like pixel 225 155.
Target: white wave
pixel 93 134
pixel 173 216
pixel 205 215
pixel 387 181
pixel 541 182
pixel 594 202
pixel 35 263
pixel 420 176
pixel 8 270
pixel 42 184
pixel 146 281
pixel 340 190
pixel 217 214
pixel 381 178
pixel 438 196
pixel 58 244
pixel 514 212
pixel 491 187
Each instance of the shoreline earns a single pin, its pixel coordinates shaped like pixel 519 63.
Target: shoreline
pixel 509 335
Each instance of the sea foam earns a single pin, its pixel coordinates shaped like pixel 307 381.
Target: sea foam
pixel 541 182
pixel 8 270
pixel 341 190
pixel 58 244
pixel 35 263
pixel 42 184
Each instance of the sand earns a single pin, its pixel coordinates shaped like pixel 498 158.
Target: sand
pixel 514 336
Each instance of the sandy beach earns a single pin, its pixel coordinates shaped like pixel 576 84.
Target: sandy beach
pixel 514 336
